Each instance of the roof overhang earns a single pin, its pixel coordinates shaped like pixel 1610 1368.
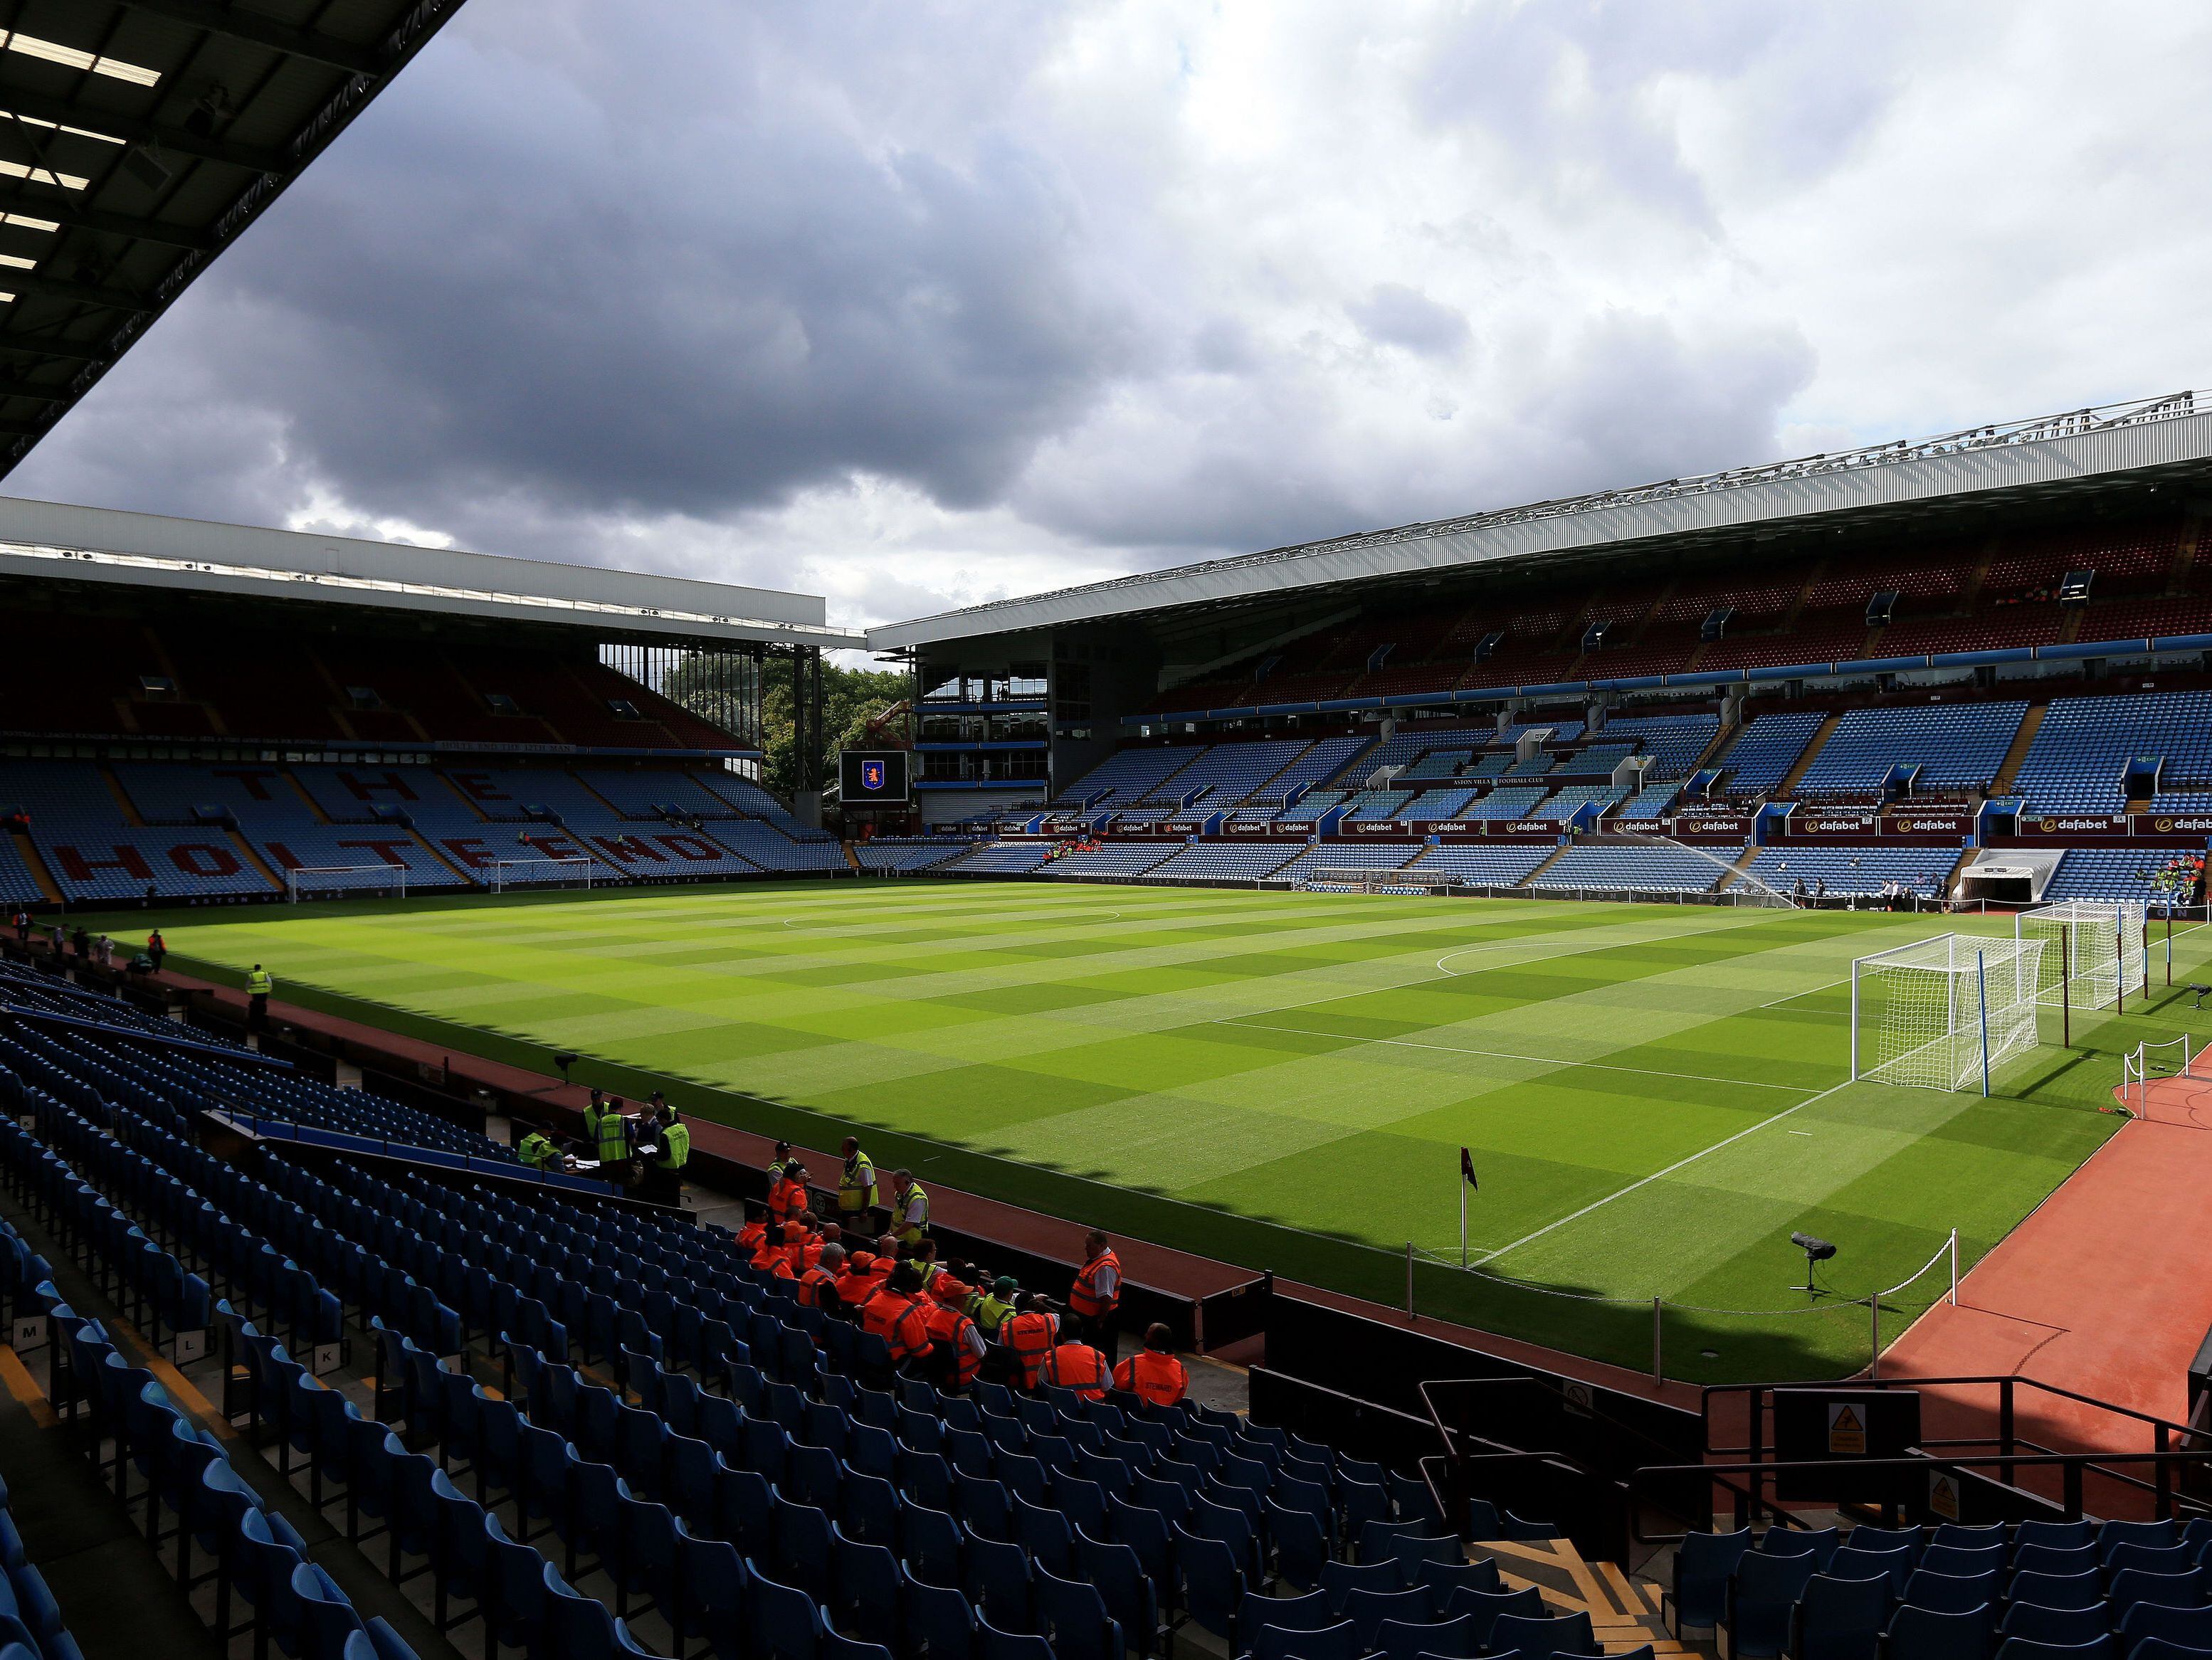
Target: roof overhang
pixel 49 541
pixel 2050 452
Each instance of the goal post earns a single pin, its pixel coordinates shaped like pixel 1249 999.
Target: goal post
pixel 1944 1013
pixel 2095 952
pixel 313 881
pixel 572 869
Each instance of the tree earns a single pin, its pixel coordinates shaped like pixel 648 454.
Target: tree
pixel 851 697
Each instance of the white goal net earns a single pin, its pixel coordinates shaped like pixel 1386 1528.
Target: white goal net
pixel 2093 952
pixel 572 871
pixel 1946 1012
pixel 326 880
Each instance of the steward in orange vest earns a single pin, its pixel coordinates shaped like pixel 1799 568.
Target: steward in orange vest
pixel 958 1351
pixel 1077 1367
pixel 1096 1293
pixel 751 1235
pixel 786 1200
pixel 856 1282
pixel 1153 1374
pixel 818 1285
pixel 1029 1334
pixel 895 1315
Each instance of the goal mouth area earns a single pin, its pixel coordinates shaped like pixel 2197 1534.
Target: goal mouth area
pixel 545 870
pixel 342 879
pixel 1944 1013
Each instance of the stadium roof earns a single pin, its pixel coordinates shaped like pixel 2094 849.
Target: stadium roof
pixel 138 138
pixel 2053 454
pixel 48 541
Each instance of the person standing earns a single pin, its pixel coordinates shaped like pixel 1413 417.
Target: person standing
pixel 1153 1374
pixel 672 1153
pixel 23 927
pixel 613 1142
pixel 787 1199
pixel 259 985
pixel 594 1109
pixel 777 1163
pixel 1096 1296
pixel 910 1208
pixel 157 948
pixel 856 1185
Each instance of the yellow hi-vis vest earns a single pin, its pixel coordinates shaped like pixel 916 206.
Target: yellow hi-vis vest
pixel 613 1138
pixel 258 984
pixel 675 1147
pixel 911 1231
pixel 856 1185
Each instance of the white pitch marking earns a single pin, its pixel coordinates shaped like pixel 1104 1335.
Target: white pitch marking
pixel 1506 1054
pixel 1679 1164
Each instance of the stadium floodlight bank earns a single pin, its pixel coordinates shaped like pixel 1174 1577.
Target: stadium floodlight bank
pixel 572 871
pixel 2094 951
pixel 335 881
pixel 1944 1013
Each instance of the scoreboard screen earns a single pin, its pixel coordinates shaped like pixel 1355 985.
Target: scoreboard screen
pixel 870 777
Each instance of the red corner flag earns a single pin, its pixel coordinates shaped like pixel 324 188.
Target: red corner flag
pixel 1467 1168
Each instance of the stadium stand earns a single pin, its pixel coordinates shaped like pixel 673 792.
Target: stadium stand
pixel 93 853
pixel 1225 860
pixel 1128 776
pixel 1125 858
pixel 1349 856
pixel 1855 870
pixel 1001 858
pixel 17 885
pixel 1636 870
pixel 1765 751
pixel 2105 873
pixel 1502 866
pixel 1953 746
pixel 1652 800
pixel 1674 742
pixel 900 853
pixel 2080 757
pixel 1510 801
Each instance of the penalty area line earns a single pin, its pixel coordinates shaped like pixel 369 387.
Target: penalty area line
pixel 1656 1175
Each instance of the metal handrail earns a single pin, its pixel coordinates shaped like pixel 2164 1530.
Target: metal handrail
pixel 2072 1466
pixel 2009 1380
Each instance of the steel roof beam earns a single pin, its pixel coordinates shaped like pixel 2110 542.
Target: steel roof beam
pixel 91 118
pixel 258 31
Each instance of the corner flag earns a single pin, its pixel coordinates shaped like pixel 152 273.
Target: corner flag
pixel 1467 1168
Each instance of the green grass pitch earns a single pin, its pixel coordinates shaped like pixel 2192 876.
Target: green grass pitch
pixel 1655 1095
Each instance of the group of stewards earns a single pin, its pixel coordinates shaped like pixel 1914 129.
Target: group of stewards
pixel 943 1320
pixel 647 1150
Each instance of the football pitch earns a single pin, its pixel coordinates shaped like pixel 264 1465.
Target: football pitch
pixel 1654 1096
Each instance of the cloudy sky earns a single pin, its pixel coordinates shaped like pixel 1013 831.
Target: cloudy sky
pixel 920 304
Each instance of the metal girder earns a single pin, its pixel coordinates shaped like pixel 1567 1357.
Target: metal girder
pixel 86 294
pixel 68 351
pixel 71 217
pixel 39 394
pixel 161 134
pixel 265 32
pixel 24 428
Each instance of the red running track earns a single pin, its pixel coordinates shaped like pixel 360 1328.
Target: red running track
pixel 2104 1289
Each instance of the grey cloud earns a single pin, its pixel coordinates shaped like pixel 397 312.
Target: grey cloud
pixel 695 290
pixel 1392 314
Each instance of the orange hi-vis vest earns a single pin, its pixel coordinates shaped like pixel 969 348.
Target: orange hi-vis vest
pixel 813 1283
pixel 899 1321
pixel 1029 1334
pixel 949 1291
pixel 751 1235
pixel 1077 1367
pixel 1083 1298
pixel 854 1290
pixel 1158 1380
pixel 949 1326
pixel 770 1252
pixel 786 1200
